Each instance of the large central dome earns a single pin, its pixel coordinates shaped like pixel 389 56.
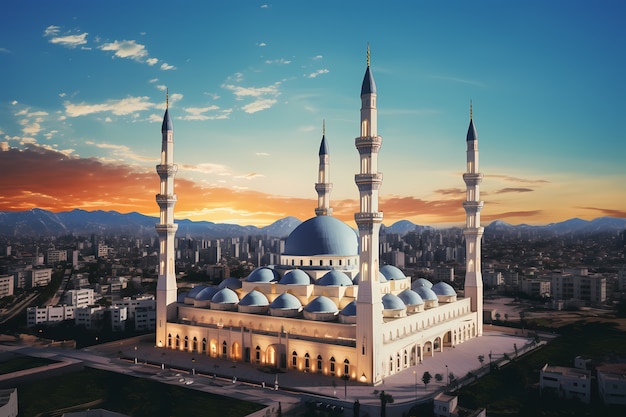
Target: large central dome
pixel 322 235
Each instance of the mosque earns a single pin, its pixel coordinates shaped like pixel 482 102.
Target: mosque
pixel 329 307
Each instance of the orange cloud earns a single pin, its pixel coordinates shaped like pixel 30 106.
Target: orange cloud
pixel 607 212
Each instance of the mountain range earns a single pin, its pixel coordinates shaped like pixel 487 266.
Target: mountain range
pixel 37 222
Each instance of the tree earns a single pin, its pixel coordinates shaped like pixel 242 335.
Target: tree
pixel 438 377
pixel 426 379
pixel 497 316
pixel 481 359
pixel 515 347
pixel 384 399
pixel 506 317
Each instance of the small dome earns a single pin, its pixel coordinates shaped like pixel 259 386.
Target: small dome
pixel 381 278
pixel 322 235
pixel 295 277
pixel 443 288
pixel 286 301
pixel 262 274
pixel 392 273
pixel 225 296
pixel 195 290
pixel 422 282
pixel 335 278
pixel 231 282
pixel 349 309
pixel 181 297
pixel 321 305
pixel 426 293
pixel 254 298
pixel 410 298
pixel 206 293
pixel 393 302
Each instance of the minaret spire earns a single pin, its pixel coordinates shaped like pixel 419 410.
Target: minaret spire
pixel 166 229
pixel 323 185
pixel 368 219
pixel 473 232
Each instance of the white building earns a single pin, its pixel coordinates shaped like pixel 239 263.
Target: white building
pixel 8 402
pixel 48 314
pixel 612 383
pixel 6 285
pixel 567 382
pixel 580 286
pixel 535 287
pixel 39 277
pixel 330 307
pixel 54 256
pixel 79 298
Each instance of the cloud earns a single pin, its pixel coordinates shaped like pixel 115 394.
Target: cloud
pixel 281 61
pixel 122 152
pixel 259 105
pixel 318 72
pixel 457 80
pixel 152 61
pixel 5 50
pixel 197 113
pixel 524 216
pixel 262 154
pixel 514 190
pixel 51 30
pixel 450 191
pixel 318 57
pixel 517 179
pixel 607 211
pixel 126 49
pixel 265 97
pixel 120 107
pixel 69 40
pixel 167 67
pixel 262 44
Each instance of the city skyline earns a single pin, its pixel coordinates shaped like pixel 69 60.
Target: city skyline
pixel 250 86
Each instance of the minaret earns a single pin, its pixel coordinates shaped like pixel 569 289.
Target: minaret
pixel 323 185
pixel 368 219
pixel 166 229
pixel 473 231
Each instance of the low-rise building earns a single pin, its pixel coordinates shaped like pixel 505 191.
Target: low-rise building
pixel 567 382
pixel 79 298
pixel 6 285
pixel 8 402
pixel 48 314
pixel 612 383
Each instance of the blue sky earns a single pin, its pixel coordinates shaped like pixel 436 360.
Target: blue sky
pixel 250 84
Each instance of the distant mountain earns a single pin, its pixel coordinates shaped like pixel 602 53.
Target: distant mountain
pixel 37 222
pixel 575 225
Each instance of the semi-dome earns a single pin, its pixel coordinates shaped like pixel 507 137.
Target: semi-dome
pixel 321 304
pixel 392 302
pixel 349 309
pixel 286 301
pixel 410 298
pixel 254 298
pixel 381 278
pixel 426 293
pixel 225 296
pixel 295 277
pixel 195 290
pixel 335 278
pixel 443 288
pixel 206 294
pixel 392 273
pixel 322 235
pixel 262 274
pixel 231 282
pixel 422 282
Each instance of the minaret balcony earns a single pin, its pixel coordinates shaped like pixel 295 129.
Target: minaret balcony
pixel 471 178
pixel 372 178
pixel 166 228
pixel 323 186
pixel 363 217
pixel 166 198
pixel 472 206
pixel 368 142
pixel 167 169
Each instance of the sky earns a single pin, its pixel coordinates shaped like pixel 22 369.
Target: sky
pixel 252 83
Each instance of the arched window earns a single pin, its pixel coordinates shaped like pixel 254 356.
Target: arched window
pixel 169 340
pixel 346 367
pixel 307 362
pixel 398 361
pixel 294 359
pixel 195 344
pixel 332 365
pixel 224 349
pixel 186 342
pixel 203 345
pixel 319 363
pixel 177 342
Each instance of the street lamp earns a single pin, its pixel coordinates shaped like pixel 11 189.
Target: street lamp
pixel 447 376
pixel 135 355
pixel 345 378
pixel 193 368
pixel 415 375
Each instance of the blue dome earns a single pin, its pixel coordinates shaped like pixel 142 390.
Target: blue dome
pixel 206 293
pixel 349 309
pixel 295 277
pixel 391 272
pixel 426 293
pixel 321 305
pixel 422 282
pixel 225 296
pixel 286 301
pixel 335 278
pixel 195 290
pixel 231 282
pixel 322 235
pixel 262 274
pixel 181 297
pixel 381 278
pixel 254 298
pixel 392 302
pixel 410 298
pixel 443 288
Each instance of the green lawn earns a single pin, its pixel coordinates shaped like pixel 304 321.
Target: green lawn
pixel 20 363
pixel 133 396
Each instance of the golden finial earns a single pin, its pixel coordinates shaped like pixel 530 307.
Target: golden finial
pixel 470 109
pixel 324 127
pixel 167 98
pixel 368 54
